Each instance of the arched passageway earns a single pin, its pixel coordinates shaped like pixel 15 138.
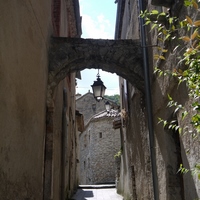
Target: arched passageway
pixel 123 57
pixel 66 55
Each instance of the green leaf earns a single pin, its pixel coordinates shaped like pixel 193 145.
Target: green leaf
pixel 161 73
pixel 197 166
pixel 174 50
pixel 184 114
pixel 147 22
pixel 185 73
pixel 199 176
pixel 177 128
pixel 164 50
pixel 154 12
pixel 176 109
pixel 170 20
pixel 162 57
pixel 169 97
pixel 164 123
pixel 162 14
pixel 154 26
pixel 168 35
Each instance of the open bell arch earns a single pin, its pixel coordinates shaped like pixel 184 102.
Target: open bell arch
pixel 123 57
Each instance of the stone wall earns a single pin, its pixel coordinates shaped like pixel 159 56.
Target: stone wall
pixel 98 145
pixel 27 27
pixel 88 106
pixel 61 175
pixel 64 176
pixel 172 147
pixel 135 181
pixel 99 142
pixel 136 173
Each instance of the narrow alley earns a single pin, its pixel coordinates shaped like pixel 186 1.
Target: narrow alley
pixel 61 138
pixel 97 192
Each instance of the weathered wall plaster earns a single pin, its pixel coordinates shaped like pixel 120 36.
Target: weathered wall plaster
pixel 170 147
pixel 24 37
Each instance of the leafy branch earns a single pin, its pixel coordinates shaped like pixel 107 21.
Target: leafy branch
pixel 168 29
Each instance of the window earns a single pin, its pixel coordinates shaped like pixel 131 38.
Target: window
pixel 100 135
pixel 94 107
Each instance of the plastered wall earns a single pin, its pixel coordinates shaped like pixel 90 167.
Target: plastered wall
pixel 24 36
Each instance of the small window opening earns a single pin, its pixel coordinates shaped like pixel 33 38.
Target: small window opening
pixel 100 135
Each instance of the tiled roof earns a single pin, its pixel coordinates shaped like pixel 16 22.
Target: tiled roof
pixel 111 113
pixel 104 114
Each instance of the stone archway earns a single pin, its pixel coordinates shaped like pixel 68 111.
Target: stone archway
pixel 66 55
pixel 123 57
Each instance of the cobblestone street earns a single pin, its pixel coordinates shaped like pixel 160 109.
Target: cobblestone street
pixel 97 192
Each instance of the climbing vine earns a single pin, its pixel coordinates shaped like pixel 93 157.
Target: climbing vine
pixel 187 69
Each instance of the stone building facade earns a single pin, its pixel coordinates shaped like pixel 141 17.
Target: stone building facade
pixel 99 142
pixel 36 163
pixel 88 106
pixel 137 179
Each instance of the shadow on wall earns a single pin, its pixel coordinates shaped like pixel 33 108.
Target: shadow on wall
pixel 173 150
pixel 189 181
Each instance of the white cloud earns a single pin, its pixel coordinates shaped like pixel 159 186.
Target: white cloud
pixel 111 81
pixel 96 28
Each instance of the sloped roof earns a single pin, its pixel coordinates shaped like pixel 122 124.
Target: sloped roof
pixel 111 113
pixel 82 96
pixel 102 115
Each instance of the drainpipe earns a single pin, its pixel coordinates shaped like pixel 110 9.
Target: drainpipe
pixel 148 103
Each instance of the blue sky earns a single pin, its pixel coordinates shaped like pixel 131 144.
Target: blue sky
pixel 98 22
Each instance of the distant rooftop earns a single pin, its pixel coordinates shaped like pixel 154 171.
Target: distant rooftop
pixel 111 113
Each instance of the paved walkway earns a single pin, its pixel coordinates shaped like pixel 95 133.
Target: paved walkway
pixel 97 192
